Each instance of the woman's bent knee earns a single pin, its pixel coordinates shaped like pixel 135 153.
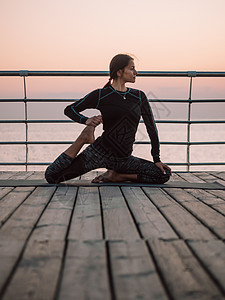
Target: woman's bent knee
pixel 155 178
pixel 49 175
pixel 55 170
pixel 165 178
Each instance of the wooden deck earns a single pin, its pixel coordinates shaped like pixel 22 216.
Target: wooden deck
pixel 111 242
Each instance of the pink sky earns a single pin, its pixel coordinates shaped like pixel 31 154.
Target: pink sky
pixel 84 35
pixel 164 35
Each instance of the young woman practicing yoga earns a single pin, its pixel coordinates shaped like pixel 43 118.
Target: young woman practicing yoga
pixel 121 109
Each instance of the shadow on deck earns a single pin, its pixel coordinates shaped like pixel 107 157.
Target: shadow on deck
pixel 84 241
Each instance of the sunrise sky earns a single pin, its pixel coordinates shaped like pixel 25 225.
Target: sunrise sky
pixel 85 35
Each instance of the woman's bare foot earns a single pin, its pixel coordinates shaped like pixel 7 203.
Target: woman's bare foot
pixel 87 135
pixel 108 176
pixel 113 176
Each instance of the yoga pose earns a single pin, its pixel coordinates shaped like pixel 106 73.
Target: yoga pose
pixel 121 109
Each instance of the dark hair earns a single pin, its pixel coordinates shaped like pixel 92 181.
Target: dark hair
pixel 118 62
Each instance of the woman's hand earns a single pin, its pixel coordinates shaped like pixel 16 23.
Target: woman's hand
pixel 162 167
pixel 94 121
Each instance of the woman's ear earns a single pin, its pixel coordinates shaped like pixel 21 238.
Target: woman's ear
pixel 119 73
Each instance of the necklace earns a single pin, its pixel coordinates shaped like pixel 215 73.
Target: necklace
pixel 123 96
pixel 120 93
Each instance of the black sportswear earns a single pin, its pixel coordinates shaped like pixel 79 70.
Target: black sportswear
pixel 121 113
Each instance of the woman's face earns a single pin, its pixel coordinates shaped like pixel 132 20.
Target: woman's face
pixel 129 73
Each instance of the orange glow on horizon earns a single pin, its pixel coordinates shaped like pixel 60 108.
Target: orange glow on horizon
pixel 84 35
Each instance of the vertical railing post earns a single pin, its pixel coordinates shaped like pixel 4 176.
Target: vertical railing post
pixel 24 74
pixel 190 74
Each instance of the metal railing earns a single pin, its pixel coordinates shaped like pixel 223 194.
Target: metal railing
pixel 188 122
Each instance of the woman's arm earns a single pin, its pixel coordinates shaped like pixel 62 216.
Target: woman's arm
pixel 153 134
pixel 89 101
pixel 149 121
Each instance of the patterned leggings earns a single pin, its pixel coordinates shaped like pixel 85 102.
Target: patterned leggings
pixel 65 167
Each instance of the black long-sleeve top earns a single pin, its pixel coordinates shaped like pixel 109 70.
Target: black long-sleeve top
pixel 121 113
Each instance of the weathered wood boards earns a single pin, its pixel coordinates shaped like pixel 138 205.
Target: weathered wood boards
pixel 185 224
pixel 133 271
pixel 183 275
pixel 86 222
pixel 38 270
pixel 85 273
pixel 112 242
pixel 149 220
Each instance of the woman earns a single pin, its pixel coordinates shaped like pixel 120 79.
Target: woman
pixel 121 109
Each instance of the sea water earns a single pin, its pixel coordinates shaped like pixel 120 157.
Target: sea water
pixel 69 132
pixel 74 88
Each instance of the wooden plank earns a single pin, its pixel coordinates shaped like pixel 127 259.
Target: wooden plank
pixel 41 262
pixel 37 175
pixel 9 254
pixel 190 177
pixel 12 201
pixel 25 217
pixel 149 220
pixel 212 256
pixel 54 222
pixel 220 175
pixel 12 175
pixel 207 177
pixel 201 178
pixel 174 177
pixel 19 226
pixel 186 225
pixel 218 193
pixel 207 197
pixel 85 274
pixel 181 271
pixel 21 175
pixel 211 218
pixel 86 223
pixel 133 271
pixel 89 176
pixel 37 274
pixel 4 191
pixel 9 248
pixel 7 174
pixel 210 199
pixel 118 222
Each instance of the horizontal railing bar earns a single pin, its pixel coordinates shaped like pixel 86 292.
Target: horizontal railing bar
pixel 197 164
pixel 184 143
pixel 171 164
pixel 54 73
pixel 208 122
pixel 151 100
pixel 137 143
pixel 141 121
pixel 25 73
pixel 206 100
pixel 106 73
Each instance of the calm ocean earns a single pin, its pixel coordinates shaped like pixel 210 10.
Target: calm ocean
pixel 69 132
pixel 155 88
